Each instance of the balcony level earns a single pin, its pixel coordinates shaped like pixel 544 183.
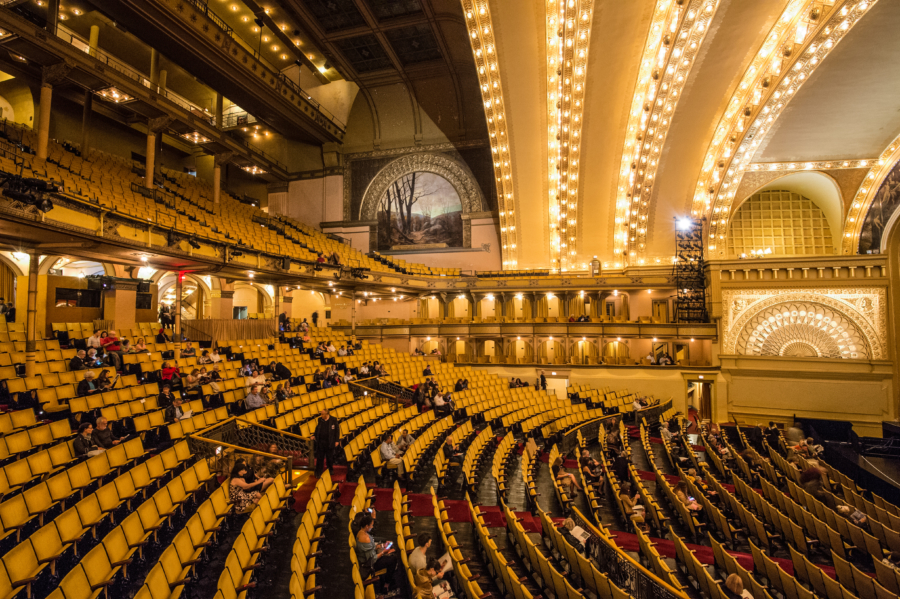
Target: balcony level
pixel 202 43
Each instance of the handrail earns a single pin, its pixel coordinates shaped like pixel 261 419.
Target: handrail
pixel 128 71
pixel 616 572
pixel 279 431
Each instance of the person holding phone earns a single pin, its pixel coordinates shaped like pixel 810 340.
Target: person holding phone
pixel 377 556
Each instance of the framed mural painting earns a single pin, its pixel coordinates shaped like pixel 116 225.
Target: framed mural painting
pixel 420 210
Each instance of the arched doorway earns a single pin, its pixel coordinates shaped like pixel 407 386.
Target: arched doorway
pixel 616 352
pixel 584 352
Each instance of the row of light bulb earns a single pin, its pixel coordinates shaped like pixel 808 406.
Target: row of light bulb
pixel 722 188
pixel 481 37
pixel 865 195
pixel 793 27
pixel 677 30
pixel 687 38
pixel 790 29
pixel 568 28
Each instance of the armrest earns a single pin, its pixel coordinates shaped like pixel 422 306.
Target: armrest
pixel 124 562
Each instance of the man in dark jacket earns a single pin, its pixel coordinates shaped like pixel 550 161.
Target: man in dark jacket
pixel 103 435
pixel 84 444
pixel 77 361
pixel 427 371
pixel 281 372
pixel 327 437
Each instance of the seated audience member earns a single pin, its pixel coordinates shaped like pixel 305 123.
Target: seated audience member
pixel 78 361
pixel 171 375
pixel 590 468
pixel 103 435
pixel 566 530
pixel 84 444
pixel 256 378
pixel 244 496
pixel 893 560
pixel 428 582
pixel 390 454
pixel 681 494
pixel 254 399
pixel 188 351
pixel 404 440
pixel 631 505
pixel 375 556
pixel 204 358
pixel 139 347
pixel 852 514
pixel 214 356
pixel 165 397
pixel 565 479
pixel 735 586
pixel 88 386
pixel 174 411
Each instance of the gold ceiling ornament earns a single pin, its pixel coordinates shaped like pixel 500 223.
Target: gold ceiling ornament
pixel 481 37
pixel 568 28
pixel 865 195
pixel 677 31
pixel 854 319
pixel 769 90
pixel 820 165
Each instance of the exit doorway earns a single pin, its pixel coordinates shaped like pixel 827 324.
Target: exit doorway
pixel 699 395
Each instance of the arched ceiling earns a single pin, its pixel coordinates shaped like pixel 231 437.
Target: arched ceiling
pixel 712 87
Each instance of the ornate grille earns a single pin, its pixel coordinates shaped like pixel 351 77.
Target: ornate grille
pixel 243 436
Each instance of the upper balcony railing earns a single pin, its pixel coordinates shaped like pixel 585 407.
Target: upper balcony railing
pixel 202 6
pixel 130 72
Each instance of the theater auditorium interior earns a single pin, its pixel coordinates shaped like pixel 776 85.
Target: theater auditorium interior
pixel 453 299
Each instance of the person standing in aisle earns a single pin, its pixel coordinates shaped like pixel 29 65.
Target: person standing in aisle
pixel 327 438
pixel 315 319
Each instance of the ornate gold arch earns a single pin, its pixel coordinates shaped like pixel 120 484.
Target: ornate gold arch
pixel 863 308
pixel 456 173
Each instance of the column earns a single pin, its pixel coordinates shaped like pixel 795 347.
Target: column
pixel 277 300
pixel 219 160
pixel 52 15
pixel 219 109
pixel 155 127
pixel 502 299
pixel 119 304
pixel 94 41
pixel 154 67
pixel 31 316
pixel 179 284
pixel 162 81
pixel 149 165
pixel 564 299
pixel 86 123
pixel 222 304
pixel 533 305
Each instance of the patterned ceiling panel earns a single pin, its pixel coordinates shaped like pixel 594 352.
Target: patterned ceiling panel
pixel 334 15
pixel 414 44
pixel 389 9
pixel 364 53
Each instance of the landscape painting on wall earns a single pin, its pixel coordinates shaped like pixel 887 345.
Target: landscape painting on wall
pixel 417 210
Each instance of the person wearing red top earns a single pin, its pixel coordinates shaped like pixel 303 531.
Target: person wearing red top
pixel 171 375
pixel 110 342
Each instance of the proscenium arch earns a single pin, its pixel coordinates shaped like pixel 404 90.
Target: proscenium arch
pixel 455 172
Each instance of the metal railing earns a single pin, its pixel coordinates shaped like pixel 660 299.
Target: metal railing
pixel 126 70
pixel 624 572
pixel 244 437
pixel 204 8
